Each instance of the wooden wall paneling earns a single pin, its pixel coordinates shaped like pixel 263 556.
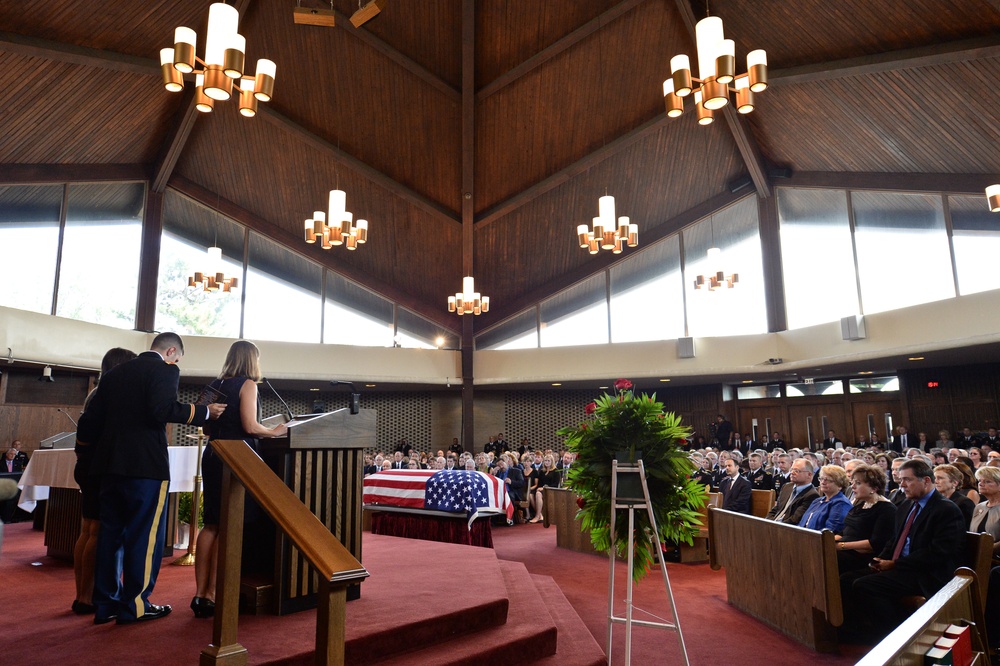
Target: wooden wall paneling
pixel 877 408
pixel 797 425
pixel 8 425
pixel 37 423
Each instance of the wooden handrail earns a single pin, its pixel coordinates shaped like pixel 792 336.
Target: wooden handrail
pixel 336 566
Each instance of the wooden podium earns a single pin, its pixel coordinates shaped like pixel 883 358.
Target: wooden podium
pixel 321 461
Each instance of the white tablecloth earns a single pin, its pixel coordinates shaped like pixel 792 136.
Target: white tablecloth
pixel 54 469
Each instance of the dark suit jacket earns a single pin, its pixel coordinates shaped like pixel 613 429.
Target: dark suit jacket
pixel 912 442
pixel 736 497
pixel 937 539
pixel 797 508
pixel 17 465
pixel 723 432
pixel 128 414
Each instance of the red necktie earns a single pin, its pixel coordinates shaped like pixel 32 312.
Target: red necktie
pixel 906 532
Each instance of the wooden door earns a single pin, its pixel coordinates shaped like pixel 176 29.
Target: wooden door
pixel 878 416
pixel 808 423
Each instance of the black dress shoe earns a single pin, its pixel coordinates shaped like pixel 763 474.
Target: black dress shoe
pixel 203 607
pixel 104 619
pixel 81 608
pixel 153 612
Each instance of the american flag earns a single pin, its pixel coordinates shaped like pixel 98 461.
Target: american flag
pixel 453 491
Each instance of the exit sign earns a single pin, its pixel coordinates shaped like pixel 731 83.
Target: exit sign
pixel 932 384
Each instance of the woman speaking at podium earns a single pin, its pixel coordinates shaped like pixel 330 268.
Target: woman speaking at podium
pixel 241 420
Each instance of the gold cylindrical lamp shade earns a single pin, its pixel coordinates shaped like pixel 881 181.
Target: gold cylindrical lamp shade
pixel 265 80
pixel 608 240
pixel 218 86
pixel 202 102
pixel 451 304
pixel 757 70
pixel 233 56
pixel 172 79
pixel 704 115
pixel 598 229
pixel 633 235
pixel 191 282
pixel 714 94
pixel 486 304
pixel 673 103
pixel 460 303
pixel 744 96
pixel 184 49
pixel 248 103
pixel 325 239
pixel 594 246
pixel 699 282
pixel 618 245
pixel 622 227
pixel 993 197
pixel 234 282
pixel 199 276
pixel 583 235
pixel 725 62
pixel 319 223
pixel 352 242
pixel 680 74
pixel 361 228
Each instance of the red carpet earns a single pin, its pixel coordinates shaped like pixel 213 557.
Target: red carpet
pixel 425 603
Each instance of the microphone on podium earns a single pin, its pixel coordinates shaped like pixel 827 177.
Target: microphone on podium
pixel 355 396
pixel 288 410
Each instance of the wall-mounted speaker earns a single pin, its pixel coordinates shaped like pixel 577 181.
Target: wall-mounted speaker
pixel 853 327
pixel 685 347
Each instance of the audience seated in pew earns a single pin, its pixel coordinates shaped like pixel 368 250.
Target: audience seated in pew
pixel 827 512
pixel 796 495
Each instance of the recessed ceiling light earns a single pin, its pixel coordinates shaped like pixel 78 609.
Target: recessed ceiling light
pixel 313 389
pixel 556 384
pixel 748 381
pixel 664 380
pixel 603 388
pixel 915 358
pixel 369 386
pixel 865 372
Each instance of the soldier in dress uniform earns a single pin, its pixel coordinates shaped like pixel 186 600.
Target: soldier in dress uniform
pixel 758 478
pixel 781 474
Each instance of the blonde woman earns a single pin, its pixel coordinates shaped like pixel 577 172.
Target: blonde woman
pixel 548 477
pixel 238 381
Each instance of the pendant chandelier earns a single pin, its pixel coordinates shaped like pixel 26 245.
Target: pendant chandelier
pixel 336 226
pixel 605 235
pixel 715 278
pixel 716 71
pixel 215 278
pixel 222 67
pixel 993 198
pixel 468 301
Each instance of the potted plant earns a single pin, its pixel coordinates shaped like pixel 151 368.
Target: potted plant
pixel 627 427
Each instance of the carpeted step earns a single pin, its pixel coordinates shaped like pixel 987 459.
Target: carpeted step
pixel 529 636
pixel 575 646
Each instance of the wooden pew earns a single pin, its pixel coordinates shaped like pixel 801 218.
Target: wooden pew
pixel 761 557
pixel 761 502
pixel 978 557
pixel 697 552
pixel 957 602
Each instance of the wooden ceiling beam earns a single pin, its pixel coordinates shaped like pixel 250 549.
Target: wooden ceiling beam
pixel 972 184
pixel 292 241
pixel 42 174
pixel 924 56
pixel 356 165
pixel 77 55
pixel 605 260
pixel 401 59
pixel 556 48
pixel 641 132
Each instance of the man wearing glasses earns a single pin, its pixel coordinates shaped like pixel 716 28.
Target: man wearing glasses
pixel 796 495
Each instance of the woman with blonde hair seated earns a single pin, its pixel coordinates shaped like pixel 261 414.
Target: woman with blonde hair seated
pixel 827 512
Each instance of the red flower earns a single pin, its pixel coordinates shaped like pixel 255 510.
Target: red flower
pixel 591 408
pixel 623 385
pixel 581 502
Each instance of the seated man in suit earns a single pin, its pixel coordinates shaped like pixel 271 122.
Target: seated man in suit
pixel 921 557
pixel 11 463
pixel 735 489
pixel 796 495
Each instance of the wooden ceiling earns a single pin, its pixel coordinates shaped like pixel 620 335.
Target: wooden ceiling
pixel 561 104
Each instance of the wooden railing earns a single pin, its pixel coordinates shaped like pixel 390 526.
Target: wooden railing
pixel 957 602
pixel 335 566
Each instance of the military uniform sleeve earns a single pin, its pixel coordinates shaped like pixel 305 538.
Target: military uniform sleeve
pixel 163 404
